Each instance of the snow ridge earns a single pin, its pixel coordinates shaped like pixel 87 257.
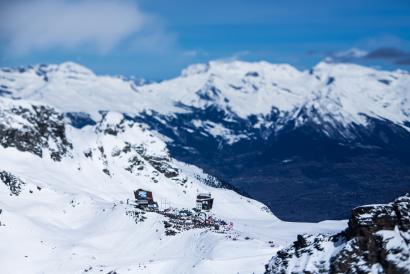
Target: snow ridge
pixel 339 95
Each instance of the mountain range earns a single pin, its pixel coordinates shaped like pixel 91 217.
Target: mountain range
pixel 267 142
pixel 67 202
pixel 325 139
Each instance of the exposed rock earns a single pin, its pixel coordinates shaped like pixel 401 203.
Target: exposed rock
pixel 366 220
pixel 34 128
pixel 14 184
pixel 80 119
pixel 104 160
pixel 111 123
pixel 161 163
pixel 211 181
pixel 377 240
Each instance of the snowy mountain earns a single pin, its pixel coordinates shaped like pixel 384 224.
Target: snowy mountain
pixel 66 202
pixel 75 146
pixel 351 93
pixel 289 138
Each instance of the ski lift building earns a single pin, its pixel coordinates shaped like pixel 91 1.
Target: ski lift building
pixel 204 201
pixel 144 198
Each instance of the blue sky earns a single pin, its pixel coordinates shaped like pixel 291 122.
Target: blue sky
pixel 155 39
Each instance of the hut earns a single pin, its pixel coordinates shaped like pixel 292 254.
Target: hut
pixel 204 201
pixel 144 199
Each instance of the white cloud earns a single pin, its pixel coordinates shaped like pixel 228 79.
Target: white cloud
pixel 351 53
pixel 191 53
pixel 43 24
pixel 239 55
pixel 194 53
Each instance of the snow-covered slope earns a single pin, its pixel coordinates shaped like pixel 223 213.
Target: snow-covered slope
pixel 64 195
pixel 256 124
pixel 74 146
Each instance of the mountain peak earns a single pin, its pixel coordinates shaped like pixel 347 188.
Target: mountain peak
pixel 239 87
pixel 69 68
pixel 195 69
pixel 69 65
pixel 344 68
pixel 240 69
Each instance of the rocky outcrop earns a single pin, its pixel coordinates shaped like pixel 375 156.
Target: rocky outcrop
pixel 33 128
pixel 369 219
pixel 377 240
pixel 12 182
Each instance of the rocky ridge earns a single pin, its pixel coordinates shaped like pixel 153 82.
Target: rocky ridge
pixel 377 240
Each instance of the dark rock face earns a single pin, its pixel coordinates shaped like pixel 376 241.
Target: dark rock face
pixel 366 220
pixel 34 129
pixel 12 182
pixel 377 240
pixel 161 164
pixel 367 245
pixel 80 119
pixel 402 209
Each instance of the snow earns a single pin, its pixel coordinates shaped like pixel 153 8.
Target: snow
pixel 346 92
pixel 218 130
pixel 71 216
pixel 397 244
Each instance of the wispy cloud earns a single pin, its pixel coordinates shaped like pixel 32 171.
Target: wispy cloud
pixel 385 41
pixel 350 53
pixel 391 54
pixel 44 24
pixel 388 55
pixel 239 55
pixel 195 53
pixel 386 50
pixel 385 54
